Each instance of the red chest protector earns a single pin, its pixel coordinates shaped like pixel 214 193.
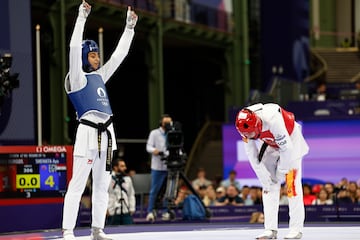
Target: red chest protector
pixel 289 120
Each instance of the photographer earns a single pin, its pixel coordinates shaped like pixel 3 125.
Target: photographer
pixel 156 146
pixel 7 81
pixel 121 196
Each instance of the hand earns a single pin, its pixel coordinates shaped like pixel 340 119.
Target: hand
pixel 274 180
pixel 156 152
pixel 131 18
pixel 280 175
pixel 84 9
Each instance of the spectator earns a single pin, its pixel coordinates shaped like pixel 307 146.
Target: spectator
pixel 232 198
pixel 255 195
pixel 343 196
pixel 320 94
pixel 259 195
pixel 202 192
pixel 316 189
pixel 231 180
pixel 322 198
pixel 283 195
pixel 342 183
pixel 308 196
pixel 220 192
pixel 358 195
pixel 201 180
pixel 257 217
pixel 181 195
pixel 122 202
pixel 245 195
pixel 210 196
pixel 351 188
pixel 132 173
pixel 330 188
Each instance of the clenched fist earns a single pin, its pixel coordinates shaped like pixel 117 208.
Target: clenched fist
pixel 131 18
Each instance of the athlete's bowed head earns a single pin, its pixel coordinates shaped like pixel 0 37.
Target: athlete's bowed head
pixel 248 124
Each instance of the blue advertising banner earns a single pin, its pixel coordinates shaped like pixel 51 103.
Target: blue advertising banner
pixel 285 39
pixel 17 106
pixel 4 19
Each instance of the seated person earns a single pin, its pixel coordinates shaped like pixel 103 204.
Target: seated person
pixel 257 217
pixel 308 196
pixel 231 198
pixel 220 192
pixel 182 193
pixel 322 198
pixel 320 94
pixel 201 180
pixel 231 180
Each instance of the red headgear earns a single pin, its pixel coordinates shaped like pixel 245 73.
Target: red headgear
pixel 248 124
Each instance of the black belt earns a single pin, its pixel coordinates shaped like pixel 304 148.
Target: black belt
pixel 262 151
pixel 102 127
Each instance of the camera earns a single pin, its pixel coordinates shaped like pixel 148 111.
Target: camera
pixel 7 81
pixel 174 145
pixel 174 136
pixel 119 178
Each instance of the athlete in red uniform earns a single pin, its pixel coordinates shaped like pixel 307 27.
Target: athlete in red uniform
pixel 275 147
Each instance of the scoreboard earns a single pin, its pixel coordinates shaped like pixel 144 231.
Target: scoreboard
pixel 34 171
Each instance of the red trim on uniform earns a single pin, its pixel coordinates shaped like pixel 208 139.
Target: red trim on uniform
pixel 293 182
pixel 289 120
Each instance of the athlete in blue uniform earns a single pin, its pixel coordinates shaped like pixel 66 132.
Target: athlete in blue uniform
pixel 95 138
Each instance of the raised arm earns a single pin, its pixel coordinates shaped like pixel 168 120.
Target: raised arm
pixel 122 47
pixel 75 56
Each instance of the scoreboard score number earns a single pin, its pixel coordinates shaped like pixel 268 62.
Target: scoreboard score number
pixel 34 171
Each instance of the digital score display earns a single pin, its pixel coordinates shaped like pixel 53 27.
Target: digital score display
pixel 33 171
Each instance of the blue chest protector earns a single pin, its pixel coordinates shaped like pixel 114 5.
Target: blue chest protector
pixel 92 97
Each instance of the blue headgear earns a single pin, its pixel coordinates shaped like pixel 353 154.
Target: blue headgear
pixel 88 46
